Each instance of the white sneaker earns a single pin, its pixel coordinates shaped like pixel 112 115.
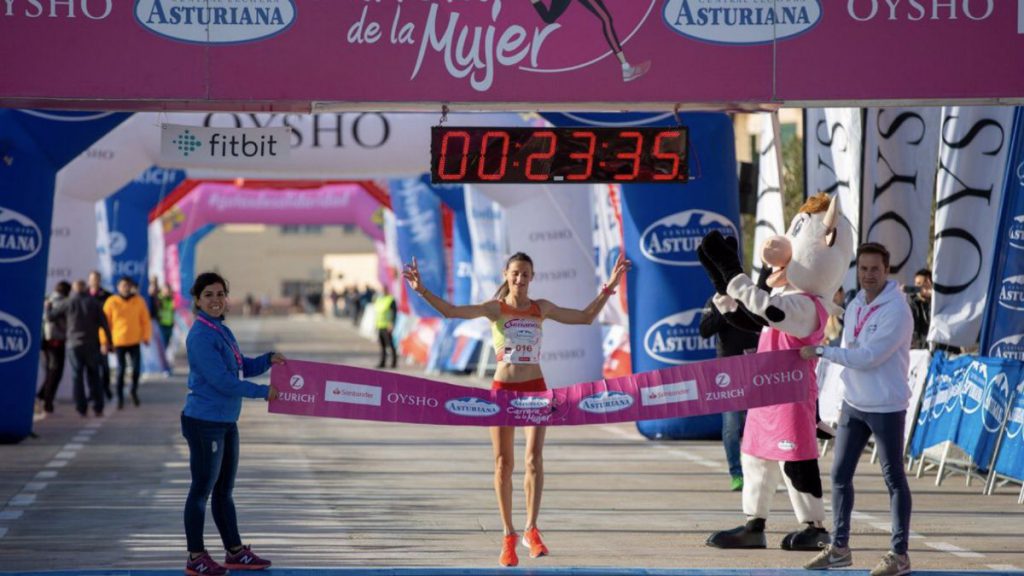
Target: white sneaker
pixel 831 556
pixel 892 564
pixel 630 73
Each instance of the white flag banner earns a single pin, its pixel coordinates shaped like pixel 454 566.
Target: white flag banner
pixel 488 233
pixel 833 148
pixel 974 145
pixel 607 247
pixel 223 147
pixel 103 245
pixel 901 153
pixel 770 219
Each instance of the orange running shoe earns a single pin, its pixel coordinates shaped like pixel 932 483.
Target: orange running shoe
pixel 531 539
pixel 508 551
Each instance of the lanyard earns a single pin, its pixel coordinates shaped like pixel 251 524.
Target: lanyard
pixel 862 321
pixel 234 347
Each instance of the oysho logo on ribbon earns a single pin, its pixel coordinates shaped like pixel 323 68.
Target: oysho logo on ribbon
pixel 741 21
pixel 223 147
pixel 674 239
pixel 1011 293
pixel 606 402
pixel 215 21
pixel 349 393
pixel 675 338
pixel 15 339
pixel 20 237
pixel 684 391
pixel 469 406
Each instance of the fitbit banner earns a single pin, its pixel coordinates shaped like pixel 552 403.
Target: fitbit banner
pixel 901 151
pixel 711 387
pixel 833 162
pixel 1003 328
pixel 769 219
pixel 419 229
pixel 454 197
pixel 662 227
pixel 973 151
pixel 35 145
pixel 220 147
pixel 965 401
pixel 554 226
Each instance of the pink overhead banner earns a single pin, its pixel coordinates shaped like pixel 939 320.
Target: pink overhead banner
pixel 218 203
pixel 380 54
pixel 728 384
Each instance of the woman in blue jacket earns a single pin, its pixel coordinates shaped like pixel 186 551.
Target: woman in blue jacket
pixel 209 423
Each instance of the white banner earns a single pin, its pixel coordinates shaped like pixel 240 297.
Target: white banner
pixel 833 140
pixel 103 245
pixel 554 226
pixel 223 147
pixel 974 147
pixel 488 233
pixel 901 152
pixel 770 219
pixel 72 241
pixel 607 247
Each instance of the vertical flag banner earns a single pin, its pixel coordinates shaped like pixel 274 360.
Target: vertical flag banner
pixel 662 227
pixel 33 147
pixel 462 249
pixel 833 162
pixel 488 233
pixel 973 152
pixel 608 247
pixel 418 225
pixel 770 219
pixel 1003 329
pixel 901 151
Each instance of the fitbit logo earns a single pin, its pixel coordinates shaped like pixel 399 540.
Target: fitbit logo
pixel 674 239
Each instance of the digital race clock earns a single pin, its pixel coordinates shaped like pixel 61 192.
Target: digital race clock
pixel 557 155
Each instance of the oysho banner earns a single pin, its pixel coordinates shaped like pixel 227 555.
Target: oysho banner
pixel 218 147
pixel 1003 330
pixel 975 143
pixel 901 151
pixel 728 384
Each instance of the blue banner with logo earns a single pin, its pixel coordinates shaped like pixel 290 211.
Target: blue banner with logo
pixel 940 411
pixel 1010 460
pixel 1002 332
pixel 420 235
pixel 984 398
pixel 462 247
pixel 128 222
pixel 662 226
pixel 33 147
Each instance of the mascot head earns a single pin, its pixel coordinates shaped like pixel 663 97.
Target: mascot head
pixel 815 253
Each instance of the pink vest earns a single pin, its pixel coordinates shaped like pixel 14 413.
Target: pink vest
pixel 787 431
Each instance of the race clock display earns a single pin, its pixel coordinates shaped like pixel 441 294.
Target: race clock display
pixel 481 155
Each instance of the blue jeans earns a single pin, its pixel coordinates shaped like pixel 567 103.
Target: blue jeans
pixel 855 428
pixel 732 431
pixel 213 460
pixel 85 367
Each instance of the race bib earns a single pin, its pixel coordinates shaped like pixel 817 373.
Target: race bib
pixel 522 345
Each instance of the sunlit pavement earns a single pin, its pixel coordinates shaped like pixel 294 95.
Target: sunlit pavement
pixel 321 496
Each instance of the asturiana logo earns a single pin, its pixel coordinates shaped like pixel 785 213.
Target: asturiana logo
pixel 997 400
pixel 1011 293
pixel 469 406
pixel 674 239
pixel 20 238
pixel 1010 347
pixel 674 339
pixel 973 387
pixel 1016 233
pixel 605 402
pixel 215 21
pixel 15 339
pixel 741 21
pixel 1016 419
pixel 530 402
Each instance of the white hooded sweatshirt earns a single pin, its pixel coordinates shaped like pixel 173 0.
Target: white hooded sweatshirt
pixel 876 352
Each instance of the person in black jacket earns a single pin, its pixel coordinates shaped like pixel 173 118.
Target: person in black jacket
pixel 85 319
pixel 732 341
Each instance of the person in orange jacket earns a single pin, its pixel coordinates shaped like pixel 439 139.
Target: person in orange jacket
pixel 128 317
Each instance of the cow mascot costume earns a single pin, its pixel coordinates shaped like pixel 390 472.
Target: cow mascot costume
pixel 792 301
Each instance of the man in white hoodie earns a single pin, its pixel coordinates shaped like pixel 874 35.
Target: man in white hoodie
pixel 876 356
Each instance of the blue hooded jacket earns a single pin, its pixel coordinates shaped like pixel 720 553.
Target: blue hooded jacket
pixel 215 389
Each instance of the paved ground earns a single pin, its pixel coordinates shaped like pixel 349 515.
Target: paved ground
pixel 315 493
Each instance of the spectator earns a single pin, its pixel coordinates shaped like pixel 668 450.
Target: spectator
pixel 54 339
pixel 97 291
pixel 128 317
pixel 164 313
pixel 920 298
pixel 387 312
pixel 85 319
